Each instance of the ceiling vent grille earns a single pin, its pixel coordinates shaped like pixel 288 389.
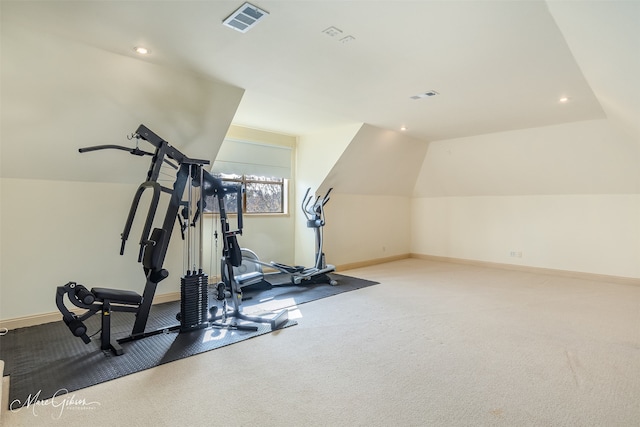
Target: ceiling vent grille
pixel 245 17
pixel 424 95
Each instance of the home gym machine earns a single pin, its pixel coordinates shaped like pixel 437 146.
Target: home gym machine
pixel 195 312
pixel 250 272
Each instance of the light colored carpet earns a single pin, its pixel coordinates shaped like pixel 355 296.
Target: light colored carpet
pixel 435 344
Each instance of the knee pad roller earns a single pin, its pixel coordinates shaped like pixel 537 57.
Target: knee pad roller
pixel 83 295
pixel 76 327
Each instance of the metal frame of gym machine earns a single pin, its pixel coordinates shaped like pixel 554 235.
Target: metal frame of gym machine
pixel 195 312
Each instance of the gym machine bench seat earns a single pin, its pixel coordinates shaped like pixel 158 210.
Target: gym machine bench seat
pixel 105 300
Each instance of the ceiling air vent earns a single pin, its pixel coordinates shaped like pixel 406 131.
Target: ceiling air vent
pixel 245 18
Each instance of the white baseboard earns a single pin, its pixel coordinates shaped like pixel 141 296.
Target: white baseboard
pixel 39 319
pixel 360 264
pixel 538 270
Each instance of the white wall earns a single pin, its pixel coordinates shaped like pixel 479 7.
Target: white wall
pixel 587 157
pixel 587 233
pixel 53 232
pixel 315 156
pixel 366 227
pixel 368 216
pixel 59 231
pixel 372 172
pixel 567 197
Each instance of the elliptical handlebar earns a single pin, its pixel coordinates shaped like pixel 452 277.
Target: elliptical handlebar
pixel 326 197
pixel 316 209
pixel 314 212
pixel 305 202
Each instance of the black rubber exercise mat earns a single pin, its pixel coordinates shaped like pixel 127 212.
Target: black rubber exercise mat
pixel 260 297
pixel 45 359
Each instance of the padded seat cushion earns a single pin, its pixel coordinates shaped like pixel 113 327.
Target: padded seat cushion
pixel 117 295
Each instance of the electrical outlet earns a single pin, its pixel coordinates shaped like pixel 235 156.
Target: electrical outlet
pixel 515 254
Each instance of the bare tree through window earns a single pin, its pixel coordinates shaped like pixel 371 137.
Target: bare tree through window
pixel 262 195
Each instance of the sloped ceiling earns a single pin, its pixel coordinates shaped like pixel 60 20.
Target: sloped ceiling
pixel 497 65
pixel 59 96
pixel 377 161
pixel 604 38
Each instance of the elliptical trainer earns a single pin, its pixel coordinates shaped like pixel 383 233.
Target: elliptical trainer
pixel 251 273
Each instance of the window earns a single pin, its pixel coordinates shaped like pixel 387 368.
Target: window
pixel 263 195
pixel 263 168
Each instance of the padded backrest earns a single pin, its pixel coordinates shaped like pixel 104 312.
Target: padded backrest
pixel 235 254
pixel 155 249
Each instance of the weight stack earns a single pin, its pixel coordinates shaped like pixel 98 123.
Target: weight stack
pixel 193 301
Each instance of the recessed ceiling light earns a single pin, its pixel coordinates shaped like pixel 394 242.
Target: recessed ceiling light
pixel 564 99
pixel 141 50
pixel 403 128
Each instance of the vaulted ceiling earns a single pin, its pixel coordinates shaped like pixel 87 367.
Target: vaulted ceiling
pixel 496 65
